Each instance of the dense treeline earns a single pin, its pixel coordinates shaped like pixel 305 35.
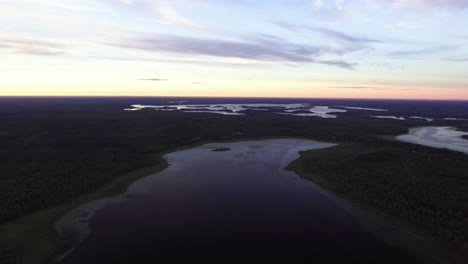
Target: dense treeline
pixel 54 150
pixel 424 186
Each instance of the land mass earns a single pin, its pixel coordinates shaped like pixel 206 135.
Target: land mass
pixel 221 149
pixel 60 153
pixel 465 137
pixel 422 187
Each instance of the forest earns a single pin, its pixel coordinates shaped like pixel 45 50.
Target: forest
pixel 423 186
pixel 54 151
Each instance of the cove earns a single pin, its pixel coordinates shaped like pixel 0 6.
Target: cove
pixel 234 205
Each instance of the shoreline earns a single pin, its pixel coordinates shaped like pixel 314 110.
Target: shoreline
pixel 73 227
pixel 32 238
pixel 421 241
pixel 39 242
pixel 401 235
pixel 419 135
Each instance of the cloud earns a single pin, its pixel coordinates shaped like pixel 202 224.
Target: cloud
pixel 349 87
pixel 169 15
pixel 424 51
pixel 340 37
pixel 339 3
pixel 371 88
pixel 32 47
pixel 429 4
pixel 318 3
pixel 153 79
pixel 359 87
pixel 194 61
pixel 329 4
pixel 252 48
pixel 458 59
pixel 341 64
pixel 163 9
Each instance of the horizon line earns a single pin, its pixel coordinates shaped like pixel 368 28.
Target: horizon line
pixel 233 97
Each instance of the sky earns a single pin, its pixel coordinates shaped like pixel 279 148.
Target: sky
pixel 409 49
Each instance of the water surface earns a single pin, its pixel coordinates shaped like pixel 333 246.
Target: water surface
pixel 234 205
pixel 238 109
pixel 437 137
pixel 389 117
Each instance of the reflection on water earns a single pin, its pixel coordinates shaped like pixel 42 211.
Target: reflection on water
pixel 319 111
pixel 455 119
pixel 219 108
pixel 390 117
pixel 215 112
pixel 238 109
pixel 296 109
pixel 422 118
pixel 364 108
pixel 234 205
pixel 437 137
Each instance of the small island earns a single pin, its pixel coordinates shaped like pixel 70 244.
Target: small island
pixel 221 149
pixel 465 137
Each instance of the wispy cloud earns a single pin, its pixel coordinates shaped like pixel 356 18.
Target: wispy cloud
pixel 330 9
pixel 429 3
pixel 342 38
pixel 162 9
pixel 341 64
pixel 32 47
pixel 318 3
pixel 193 61
pixel 171 16
pixel 359 87
pixel 153 79
pixel 461 59
pixel 98 43
pixel 252 48
pixel 423 51
pixel 371 88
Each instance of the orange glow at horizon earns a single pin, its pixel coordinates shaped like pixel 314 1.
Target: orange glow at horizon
pixel 260 91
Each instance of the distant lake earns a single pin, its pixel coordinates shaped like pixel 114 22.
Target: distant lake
pixel 237 204
pixel 437 137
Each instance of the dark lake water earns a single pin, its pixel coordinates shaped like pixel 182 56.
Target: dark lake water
pixel 236 205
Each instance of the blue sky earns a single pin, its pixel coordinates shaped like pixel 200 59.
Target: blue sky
pixel 297 48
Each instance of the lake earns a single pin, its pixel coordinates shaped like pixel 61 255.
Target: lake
pixel 437 137
pixel 236 204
